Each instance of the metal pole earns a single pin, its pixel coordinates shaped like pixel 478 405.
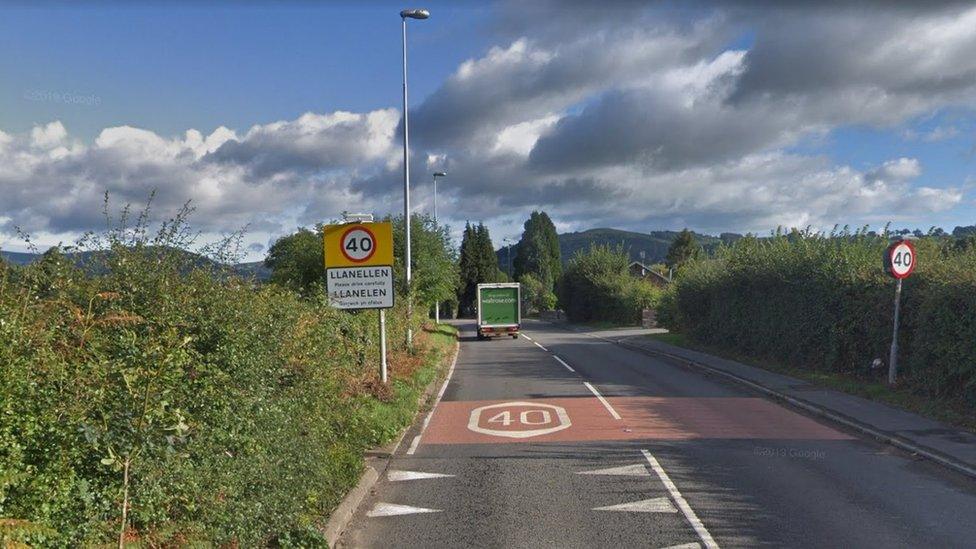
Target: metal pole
pixel 406 186
pixel 437 304
pixel 383 345
pixel 893 358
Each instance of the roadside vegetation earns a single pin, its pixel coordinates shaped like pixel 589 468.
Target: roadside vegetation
pixel 152 400
pixel 822 303
pixel 597 288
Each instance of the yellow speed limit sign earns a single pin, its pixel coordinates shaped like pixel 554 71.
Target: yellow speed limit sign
pixel 358 245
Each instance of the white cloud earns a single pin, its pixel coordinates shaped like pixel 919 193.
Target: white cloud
pixel 899 169
pixel 521 138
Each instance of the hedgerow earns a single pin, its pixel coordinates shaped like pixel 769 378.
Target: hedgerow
pixel 823 302
pixel 165 402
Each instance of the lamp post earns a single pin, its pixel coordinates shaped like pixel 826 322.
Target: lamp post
pixel 404 15
pixel 510 242
pixel 437 304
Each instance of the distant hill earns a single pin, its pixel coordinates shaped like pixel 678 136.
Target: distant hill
pixel 255 269
pixel 654 244
pixel 18 258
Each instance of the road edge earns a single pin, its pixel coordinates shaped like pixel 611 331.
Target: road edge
pixel 926 452
pixel 377 460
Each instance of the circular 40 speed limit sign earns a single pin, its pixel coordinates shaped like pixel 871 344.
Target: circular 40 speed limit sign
pixel 358 244
pixel 900 259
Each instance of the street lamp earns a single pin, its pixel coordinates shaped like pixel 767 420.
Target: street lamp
pixel 436 175
pixel 404 15
pixel 437 304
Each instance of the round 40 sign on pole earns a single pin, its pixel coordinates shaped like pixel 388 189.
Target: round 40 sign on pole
pixel 899 263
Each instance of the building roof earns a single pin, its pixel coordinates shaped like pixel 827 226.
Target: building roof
pixel 650 271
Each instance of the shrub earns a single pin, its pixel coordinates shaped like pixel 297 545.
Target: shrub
pixel 536 296
pixel 596 286
pixel 197 406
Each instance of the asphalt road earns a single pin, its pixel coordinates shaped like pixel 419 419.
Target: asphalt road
pixel 609 447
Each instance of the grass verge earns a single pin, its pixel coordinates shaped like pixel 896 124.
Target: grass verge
pixel 435 346
pixel 951 412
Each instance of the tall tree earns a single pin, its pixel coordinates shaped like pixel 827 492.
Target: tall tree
pixel 296 260
pixel 477 264
pixel 683 248
pixel 434 262
pixel 538 252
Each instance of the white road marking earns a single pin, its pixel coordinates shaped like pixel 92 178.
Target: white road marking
pixel 440 394
pixel 561 361
pixel 540 346
pixel 692 545
pixel 413 445
pixel 603 401
pixel 507 417
pixel 682 504
pixel 654 505
pixel 636 470
pixel 526 336
pixel 398 476
pixel 392 509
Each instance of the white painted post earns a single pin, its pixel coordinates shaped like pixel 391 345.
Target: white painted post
pixel 383 375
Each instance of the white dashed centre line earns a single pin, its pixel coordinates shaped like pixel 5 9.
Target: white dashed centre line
pixel 526 336
pixel 540 346
pixel 682 504
pixel 568 367
pixel 602 400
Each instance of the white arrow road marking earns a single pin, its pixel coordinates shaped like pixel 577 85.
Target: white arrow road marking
pixel 637 470
pixel 682 504
pixel 692 545
pixel 392 509
pixel 397 476
pixel 655 505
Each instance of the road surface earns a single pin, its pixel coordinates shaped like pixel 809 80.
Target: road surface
pixel 561 439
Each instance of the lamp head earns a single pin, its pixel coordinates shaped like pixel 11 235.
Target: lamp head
pixel 415 14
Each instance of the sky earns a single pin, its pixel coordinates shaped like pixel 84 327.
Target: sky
pixel 727 117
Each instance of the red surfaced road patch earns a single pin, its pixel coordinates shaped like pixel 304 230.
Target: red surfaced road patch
pixel 585 419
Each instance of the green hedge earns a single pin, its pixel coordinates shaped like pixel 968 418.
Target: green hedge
pixel 238 413
pixel 823 302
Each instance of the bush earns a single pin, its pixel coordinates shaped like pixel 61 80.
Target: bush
pixel 536 296
pixel 596 286
pixel 823 302
pixel 197 405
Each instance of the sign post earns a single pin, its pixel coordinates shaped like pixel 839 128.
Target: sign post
pixel 359 271
pixel 899 263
